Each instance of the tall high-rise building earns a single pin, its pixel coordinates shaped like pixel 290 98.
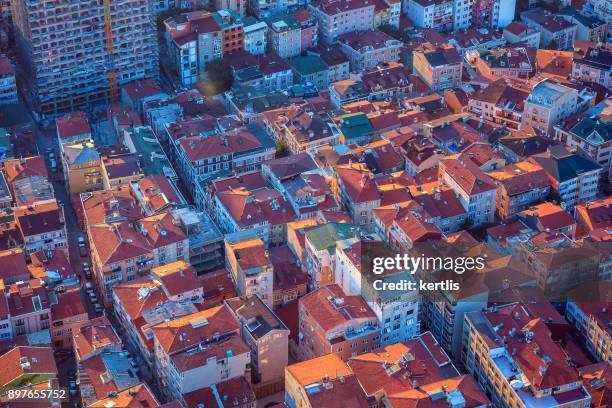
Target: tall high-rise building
pixel 75 54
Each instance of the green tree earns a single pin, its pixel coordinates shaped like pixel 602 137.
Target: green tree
pixel 282 149
pixel 553 44
pixel 218 78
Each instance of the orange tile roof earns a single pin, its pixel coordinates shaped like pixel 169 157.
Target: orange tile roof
pixel 177 277
pixel 40 360
pixel 330 314
pixel 185 332
pixel 135 397
pixel 93 335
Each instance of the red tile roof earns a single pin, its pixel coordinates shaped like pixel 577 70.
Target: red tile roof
pixel 200 148
pixel 467 175
pixel 541 360
pixel 188 331
pixel 357 180
pixel 177 278
pixel 331 314
pixel 141 89
pixel 14 266
pixel 73 124
pixel 40 361
pixel 92 336
pixel 69 304
pixel 22 168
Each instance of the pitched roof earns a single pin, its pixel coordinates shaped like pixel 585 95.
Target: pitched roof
pixel 564 165
pixel 468 176
pixel 337 312
pixel 358 183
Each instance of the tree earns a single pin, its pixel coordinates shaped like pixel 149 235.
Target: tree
pixel 218 78
pixel 392 31
pixel 282 149
pixel 553 44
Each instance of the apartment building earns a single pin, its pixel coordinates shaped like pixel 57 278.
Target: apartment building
pixel 23 365
pixel 573 175
pixel 331 322
pixel 266 336
pixel 547 104
pixel 203 157
pixel 308 131
pixel 255 36
pixel 358 192
pixel 29 306
pixel 397 315
pixel 285 35
pixel 439 68
pixel 251 269
pixel 259 76
pixel 337 17
pixel 603 10
pixel 414 373
pixel 558 263
pixel 123 251
pixel 320 246
pixel 168 292
pixel 519 32
pixel 589 27
pixel 387 12
pixel 302 183
pixel 261 9
pixel 67 311
pixel 502 62
pixel 8 85
pixel 592 135
pixel 475 189
pixel 261 213
pixel 594 66
pixel 519 185
pixel 94 337
pixel 555 31
pixel 499 104
pixel 366 49
pixel 512 356
pixel 436 14
pixel 488 13
pixel 548 217
pixel 591 319
pixel 82 70
pixel 73 127
pixel 196 38
pixel 42 226
pixel 238 7
pixel 198 351
pixel 81 164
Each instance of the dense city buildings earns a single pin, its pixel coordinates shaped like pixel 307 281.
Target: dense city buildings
pixel 327 203
pixel 101 47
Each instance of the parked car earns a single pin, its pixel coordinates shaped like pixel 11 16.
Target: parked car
pixel 93 297
pixel 97 307
pixel 87 270
pixel 89 288
pixel 82 246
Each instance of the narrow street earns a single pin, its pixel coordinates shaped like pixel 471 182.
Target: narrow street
pixel 47 138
